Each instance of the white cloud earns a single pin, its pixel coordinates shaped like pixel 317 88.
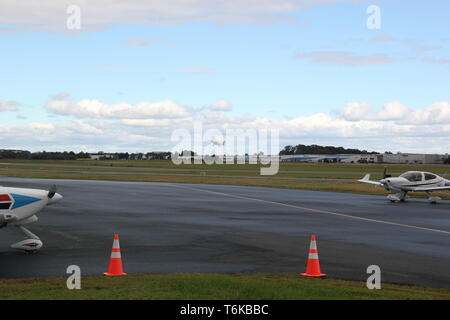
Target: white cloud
pixel 61 96
pixel 142 42
pixel 356 111
pixel 346 58
pixel 137 42
pixel 439 61
pixel 221 105
pixel 383 38
pixel 89 108
pixel 393 111
pixel 437 113
pixel 8 106
pixel 153 122
pixel 51 15
pixel 144 127
pixel 83 127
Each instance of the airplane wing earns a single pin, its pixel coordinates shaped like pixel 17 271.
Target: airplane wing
pixel 430 188
pixel 366 179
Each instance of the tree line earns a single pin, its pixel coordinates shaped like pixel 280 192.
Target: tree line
pixel 70 155
pixel 315 149
pixel 27 155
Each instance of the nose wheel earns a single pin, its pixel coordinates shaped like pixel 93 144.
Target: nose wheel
pixel 30 245
pixel 433 200
pixel 401 196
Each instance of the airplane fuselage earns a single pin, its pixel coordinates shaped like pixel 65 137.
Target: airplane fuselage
pixel 24 203
pixel 399 184
pixel 19 206
pixel 411 181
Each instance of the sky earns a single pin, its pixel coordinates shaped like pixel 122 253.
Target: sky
pixel 109 75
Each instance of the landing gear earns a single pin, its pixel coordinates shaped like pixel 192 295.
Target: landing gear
pixel 401 196
pixel 30 245
pixel 433 200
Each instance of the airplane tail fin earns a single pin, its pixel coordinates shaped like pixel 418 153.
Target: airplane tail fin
pixel 366 178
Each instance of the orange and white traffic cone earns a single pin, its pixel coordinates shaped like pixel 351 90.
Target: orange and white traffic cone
pixel 313 265
pixel 115 262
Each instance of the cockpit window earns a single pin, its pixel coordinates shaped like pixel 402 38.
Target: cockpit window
pixel 412 176
pixel 429 176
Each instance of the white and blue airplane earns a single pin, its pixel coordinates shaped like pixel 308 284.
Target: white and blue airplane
pixel 411 181
pixel 18 207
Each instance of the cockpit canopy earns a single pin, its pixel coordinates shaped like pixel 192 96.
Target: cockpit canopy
pixel 415 176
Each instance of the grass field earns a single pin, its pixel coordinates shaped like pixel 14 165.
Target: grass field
pixel 211 287
pixel 310 176
pixel 284 166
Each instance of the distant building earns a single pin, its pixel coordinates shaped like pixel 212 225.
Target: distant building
pixel 399 158
pixel 158 155
pixel 370 158
pixel 414 158
pixel 102 156
pixel 345 158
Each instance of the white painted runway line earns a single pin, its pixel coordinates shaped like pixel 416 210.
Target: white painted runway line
pixel 315 210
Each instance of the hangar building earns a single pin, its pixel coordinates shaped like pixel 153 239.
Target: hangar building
pixel 399 158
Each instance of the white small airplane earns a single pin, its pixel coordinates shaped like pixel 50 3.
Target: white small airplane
pixel 411 181
pixel 19 207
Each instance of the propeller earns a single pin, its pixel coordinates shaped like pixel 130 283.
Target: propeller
pixel 385 182
pixel 52 191
pixel 385 174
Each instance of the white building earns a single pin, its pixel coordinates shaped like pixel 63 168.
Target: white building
pixel 398 158
pixel 345 158
pixel 101 156
pixel 413 158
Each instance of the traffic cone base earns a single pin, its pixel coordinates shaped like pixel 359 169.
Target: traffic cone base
pixel 115 262
pixel 313 265
pixel 320 275
pixel 110 274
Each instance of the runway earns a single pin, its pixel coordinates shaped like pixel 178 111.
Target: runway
pixel 181 228
pixel 151 171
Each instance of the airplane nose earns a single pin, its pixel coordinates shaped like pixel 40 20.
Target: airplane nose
pixel 57 197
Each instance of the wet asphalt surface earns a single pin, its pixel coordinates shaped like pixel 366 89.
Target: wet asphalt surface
pixel 180 228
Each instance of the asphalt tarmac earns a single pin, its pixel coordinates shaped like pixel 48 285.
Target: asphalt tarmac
pixel 183 228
